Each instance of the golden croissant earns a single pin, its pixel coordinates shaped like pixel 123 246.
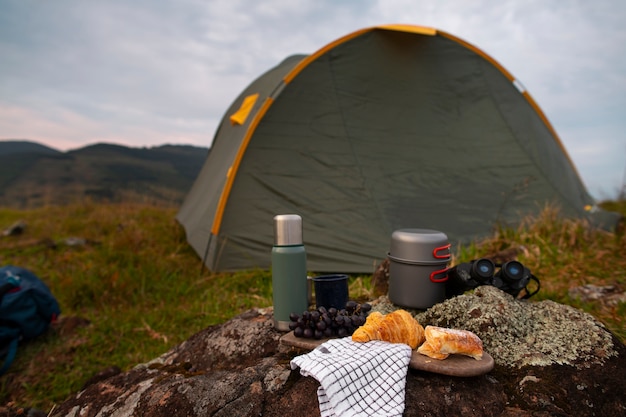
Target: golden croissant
pixel 396 327
pixel 441 342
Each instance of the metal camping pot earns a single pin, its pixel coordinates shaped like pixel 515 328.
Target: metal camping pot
pixel 418 271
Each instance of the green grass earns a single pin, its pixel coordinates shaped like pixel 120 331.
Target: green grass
pixel 136 280
pixel 144 290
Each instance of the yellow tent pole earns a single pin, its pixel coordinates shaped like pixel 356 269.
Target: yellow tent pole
pixel 232 171
pixel 422 30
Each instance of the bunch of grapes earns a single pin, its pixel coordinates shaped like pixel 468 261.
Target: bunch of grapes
pixel 324 323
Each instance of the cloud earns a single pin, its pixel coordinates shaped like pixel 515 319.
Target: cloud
pixel 147 71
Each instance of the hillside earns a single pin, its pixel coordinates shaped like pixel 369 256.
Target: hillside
pixel 23 146
pixel 32 175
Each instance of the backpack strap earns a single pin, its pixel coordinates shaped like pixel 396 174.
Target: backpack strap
pixel 10 356
pixel 528 293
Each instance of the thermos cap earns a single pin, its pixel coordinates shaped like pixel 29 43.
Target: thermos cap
pixel 287 230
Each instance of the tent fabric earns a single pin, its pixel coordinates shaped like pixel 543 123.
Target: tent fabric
pixel 389 127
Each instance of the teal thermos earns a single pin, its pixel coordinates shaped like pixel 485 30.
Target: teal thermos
pixel 289 278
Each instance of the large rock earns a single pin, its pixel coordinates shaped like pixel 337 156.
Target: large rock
pixel 551 360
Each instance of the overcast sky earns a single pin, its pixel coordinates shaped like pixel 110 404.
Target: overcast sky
pixel 149 72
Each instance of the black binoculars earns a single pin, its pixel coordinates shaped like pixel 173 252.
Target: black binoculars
pixel 512 277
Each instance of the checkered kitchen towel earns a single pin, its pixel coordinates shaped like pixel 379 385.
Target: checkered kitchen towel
pixel 358 379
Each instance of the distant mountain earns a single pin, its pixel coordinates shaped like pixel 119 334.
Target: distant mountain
pixel 33 175
pixel 21 146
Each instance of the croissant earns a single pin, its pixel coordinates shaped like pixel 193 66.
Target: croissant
pixel 396 327
pixel 441 342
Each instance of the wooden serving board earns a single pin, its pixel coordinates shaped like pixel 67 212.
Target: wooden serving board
pixel 453 365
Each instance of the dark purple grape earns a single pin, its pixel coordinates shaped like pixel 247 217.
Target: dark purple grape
pixel 294 317
pixel 365 307
pixel 332 311
pixel 322 310
pixel 351 306
pixel 339 320
pixel 342 332
pixel 293 325
pixel 306 315
pixel 328 332
pixel 315 315
pixel 321 325
pixel 298 332
pixel 318 334
pixel 307 333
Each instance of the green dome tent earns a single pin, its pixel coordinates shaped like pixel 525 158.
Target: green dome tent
pixel 388 127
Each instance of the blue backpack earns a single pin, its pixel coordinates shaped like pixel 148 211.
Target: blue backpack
pixel 27 307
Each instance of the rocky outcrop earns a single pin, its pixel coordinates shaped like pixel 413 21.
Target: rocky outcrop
pixel 566 364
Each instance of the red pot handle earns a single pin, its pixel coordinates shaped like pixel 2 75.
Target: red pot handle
pixel 442 248
pixel 438 272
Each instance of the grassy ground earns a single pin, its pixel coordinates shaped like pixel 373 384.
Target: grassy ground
pixel 142 289
pixel 136 280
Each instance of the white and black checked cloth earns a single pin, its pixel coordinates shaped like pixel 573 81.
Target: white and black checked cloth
pixel 358 379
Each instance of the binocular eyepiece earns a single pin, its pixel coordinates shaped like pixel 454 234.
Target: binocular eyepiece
pixel 512 277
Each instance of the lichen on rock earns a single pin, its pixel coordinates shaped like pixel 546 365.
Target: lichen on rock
pixel 519 333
